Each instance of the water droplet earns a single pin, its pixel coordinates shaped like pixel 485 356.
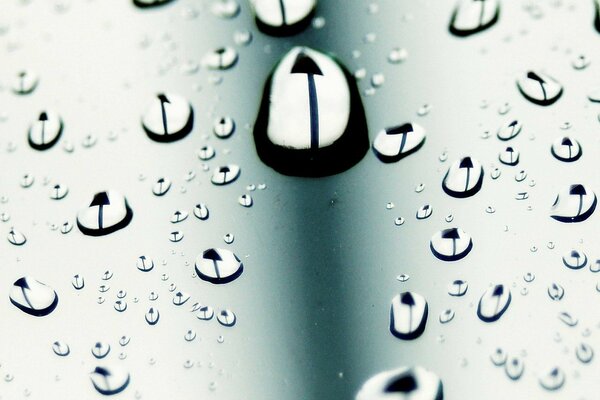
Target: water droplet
pixel 179 216
pixel 221 58
pixel 311 120
pixel 498 357
pixel 399 221
pixel 446 316
pixel 245 200
pixel 514 368
pixel 539 88
pixel 458 288
pixel 144 264
pixel 408 315
pixel 580 62
pixel 45 131
pixel 574 203
pixel 223 127
pixel 283 18
pixel 553 379
pixel 113 380
pixel 470 17
pixel 584 353
pixel 205 313
pixel 201 211
pixel 206 153
pixel 105 213
pixel 190 335
pixel 509 156
pixel 25 82
pixel 424 212
pixel 61 349
pixel 395 143
pixel 566 149
pixel 218 266
pixel 33 297
pixel 58 192
pixel 397 55
pixel 556 292
pixel 15 237
pixel 226 318
pixel 451 244
pixel 510 130
pixel 464 178
pixel 575 259
pixel 225 9
pixel 169 117
pixel 152 316
pixel 225 174
pixel 100 350
pixel 402 383
pixel 493 303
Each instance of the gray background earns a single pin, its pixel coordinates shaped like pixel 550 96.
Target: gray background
pixel 321 255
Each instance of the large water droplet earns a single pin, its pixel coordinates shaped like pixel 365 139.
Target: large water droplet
pixel 311 120
pixel 574 203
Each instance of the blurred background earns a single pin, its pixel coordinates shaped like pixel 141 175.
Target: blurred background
pixel 321 256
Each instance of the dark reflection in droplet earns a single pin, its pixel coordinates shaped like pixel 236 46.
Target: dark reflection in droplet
pixel 311 120
pixel 473 16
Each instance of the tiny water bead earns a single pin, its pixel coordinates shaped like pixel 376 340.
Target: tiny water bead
pixel 224 127
pixel 556 292
pixel 514 368
pixel 25 82
pixel 458 288
pixel 221 58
